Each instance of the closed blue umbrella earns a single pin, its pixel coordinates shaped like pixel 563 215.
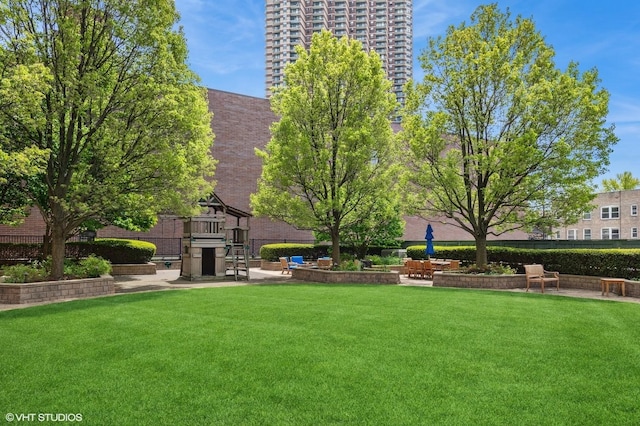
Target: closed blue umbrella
pixel 429 250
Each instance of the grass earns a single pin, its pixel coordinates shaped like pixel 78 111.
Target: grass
pixel 271 355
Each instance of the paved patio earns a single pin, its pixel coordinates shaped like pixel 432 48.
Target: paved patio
pixel 171 280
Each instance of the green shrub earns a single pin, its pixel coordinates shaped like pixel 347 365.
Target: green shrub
pixel 93 267
pixel 349 265
pixel 25 273
pixel 272 252
pixel 115 250
pixel 11 252
pixel 490 269
pixel 385 260
pixel 618 263
pixel 463 253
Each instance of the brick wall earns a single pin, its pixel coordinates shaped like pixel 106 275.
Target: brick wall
pixel 504 282
pixel 56 290
pixel 344 277
pixel 624 223
pixel 242 123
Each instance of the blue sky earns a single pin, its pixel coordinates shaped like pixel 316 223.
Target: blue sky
pixel 226 48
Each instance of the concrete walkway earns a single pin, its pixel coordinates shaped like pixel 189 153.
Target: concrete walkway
pixel 171 280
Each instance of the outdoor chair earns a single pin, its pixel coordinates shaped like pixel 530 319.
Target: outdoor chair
pixel 454 265
pixel 297 260
pixel 286 266
pixel 427 270
pixel 405 266
pixel 325 263
pixel 537 274
pixel 412 268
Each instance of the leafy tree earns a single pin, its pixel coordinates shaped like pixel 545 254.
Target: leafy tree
pixel 497 133
pixel 20 92
pixel 332 153
pixel 125 125
pixel 623 182
pixel 382 227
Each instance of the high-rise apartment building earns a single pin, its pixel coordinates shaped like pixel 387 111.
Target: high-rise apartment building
pixel 381 25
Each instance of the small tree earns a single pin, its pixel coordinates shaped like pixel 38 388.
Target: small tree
pixel 382 227
pixel 498 135
pixel 332 154
pixel 623 182
pixel 125 126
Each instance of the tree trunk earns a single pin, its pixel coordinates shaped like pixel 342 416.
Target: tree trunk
pixel 46 244
pixel 57 252
pixel 481 251
pixel 335 247
pixel 362 251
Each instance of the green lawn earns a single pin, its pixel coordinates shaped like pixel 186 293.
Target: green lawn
pixel 314 355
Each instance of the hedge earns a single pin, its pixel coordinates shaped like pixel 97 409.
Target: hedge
pixel 12 252
pixel 618 263
pixel 115 250
pixel 272 252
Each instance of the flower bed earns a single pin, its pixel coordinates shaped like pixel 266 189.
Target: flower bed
pixel 47 291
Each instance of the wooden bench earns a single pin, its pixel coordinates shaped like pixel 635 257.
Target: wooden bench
pixel 537 274
pixel 606 282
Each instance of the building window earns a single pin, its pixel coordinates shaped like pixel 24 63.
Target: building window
pixel 634 232
pixel 610 234
pixel 609 212
pixel 586 216
pixel 572 234
pixel 634 210
pixel 586 234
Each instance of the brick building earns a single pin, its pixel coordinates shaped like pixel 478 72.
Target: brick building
pixel 241 123
pixel 615 217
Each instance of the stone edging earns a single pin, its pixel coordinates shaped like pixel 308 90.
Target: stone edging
pixel 148 268
pixel 344 277
pixel 47 291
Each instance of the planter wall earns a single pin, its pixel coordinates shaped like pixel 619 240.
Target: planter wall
pixel 56 290
pixel 134 269
pixel 162 265
pixel 579 282
pixel 344 277
pixel 501 282
pixel 270 266
pixel 504 282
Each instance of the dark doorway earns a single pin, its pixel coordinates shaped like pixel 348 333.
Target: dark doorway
pixel 208 261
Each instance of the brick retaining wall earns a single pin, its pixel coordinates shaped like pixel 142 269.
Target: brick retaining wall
pixel 500 282
pixel 134 269
pixel 344 277
pixel 56 290
pixel 504 282
pixel 270 266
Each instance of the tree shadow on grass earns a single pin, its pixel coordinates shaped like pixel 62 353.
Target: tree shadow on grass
pixel 74 305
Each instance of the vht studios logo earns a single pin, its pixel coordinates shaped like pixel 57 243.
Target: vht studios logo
pixel 43 417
